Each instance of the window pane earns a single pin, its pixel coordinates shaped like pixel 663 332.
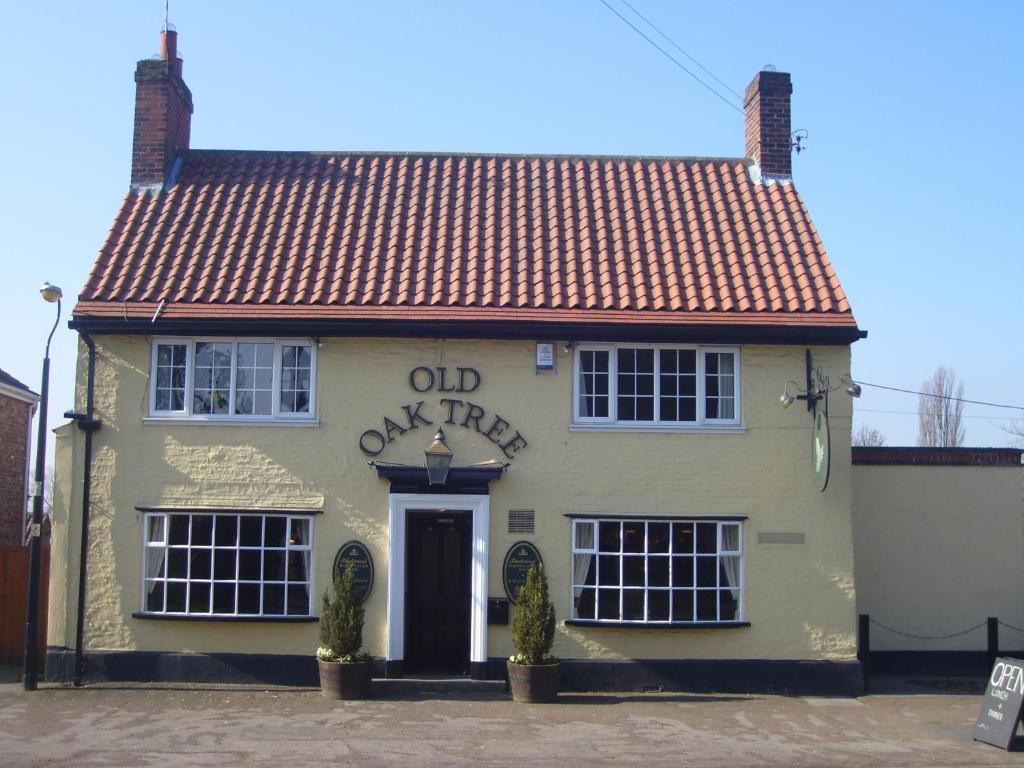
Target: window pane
pixel 298 600
pixel 608 604
pixel 608 572
pixel 633 536
pixel 202 560
pixel 657 537
pixel 176 591
pixel 707 538
pixel 224 598
pixel 273 566
pixel 584 535
pixel 250 564
pixel 169 386
pixel 633 604
pixel 155 596
pixel 273 599
pixel 274 531
pixel 584 603
pixel 202 530
pixel 707 571
pixel 177 563
pixel 227 530
pixel 682 571
pixel 707 605
pixel 728 606
pixel 224 564
pixel 682 605
pixel 682 538
pixel 212 377
pixel 633 571
pixel 296 362
pixel 610 539
pixel 156 526
pixel 248 598
pixel 657 605
pixel 254 378
pixel 720 385
pixel 657 571
pixel 252 531
pixel 199 597
pixel 635 379
pixel 593 383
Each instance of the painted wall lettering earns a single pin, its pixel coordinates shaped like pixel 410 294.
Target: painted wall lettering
pixel 454 411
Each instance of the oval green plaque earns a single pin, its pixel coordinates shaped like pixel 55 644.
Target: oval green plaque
pixel 355 553
pixel 821 451
pixel 520 557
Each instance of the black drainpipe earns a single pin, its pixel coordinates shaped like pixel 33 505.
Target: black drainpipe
pixel 87 424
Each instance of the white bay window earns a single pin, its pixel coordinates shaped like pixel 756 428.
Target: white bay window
pixel 647 385
pixel 205 564
pixel 657 571
pixel 232 379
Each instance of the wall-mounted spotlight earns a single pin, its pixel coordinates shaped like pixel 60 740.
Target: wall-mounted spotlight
pixel 787 397
pixel 853 388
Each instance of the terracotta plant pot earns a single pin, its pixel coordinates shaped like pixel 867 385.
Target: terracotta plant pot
pixel 345 681
pixel 533 683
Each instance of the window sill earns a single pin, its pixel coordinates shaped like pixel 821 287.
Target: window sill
pixel 725 429
pixel 222 422
pixel 194 617
pixel 657 625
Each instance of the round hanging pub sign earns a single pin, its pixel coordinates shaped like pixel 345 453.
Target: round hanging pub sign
pixel 520 557
pixel 356 554
pixel 821 449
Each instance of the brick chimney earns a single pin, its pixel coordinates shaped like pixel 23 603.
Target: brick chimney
pixel 767 122
pixel 163 114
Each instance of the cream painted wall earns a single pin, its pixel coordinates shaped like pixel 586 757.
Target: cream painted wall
pixel 799 598
pixel 938 550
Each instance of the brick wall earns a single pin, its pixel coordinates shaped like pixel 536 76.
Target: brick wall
pixel 15 417
pixel 767 123
pixel 163 118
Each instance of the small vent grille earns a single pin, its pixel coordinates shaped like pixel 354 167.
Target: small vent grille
pixel 520 521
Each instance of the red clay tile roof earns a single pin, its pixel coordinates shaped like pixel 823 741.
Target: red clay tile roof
pixel 620 240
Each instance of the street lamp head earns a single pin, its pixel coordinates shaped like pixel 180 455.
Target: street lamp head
pixel 51 293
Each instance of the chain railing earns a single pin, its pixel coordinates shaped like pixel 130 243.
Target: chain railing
pixel 864 654
pixel 927 637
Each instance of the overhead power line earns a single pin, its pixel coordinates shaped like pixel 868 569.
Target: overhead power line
pixel 675 45
pixel 858 409
pixel 668 55
pixel 941 397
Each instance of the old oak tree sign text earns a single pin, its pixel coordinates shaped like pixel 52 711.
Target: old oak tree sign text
pixel 458 411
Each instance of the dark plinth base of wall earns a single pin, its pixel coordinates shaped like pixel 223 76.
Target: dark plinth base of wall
pixel 813 678
pixel 933 663
pixel 830 678
pixel 169 667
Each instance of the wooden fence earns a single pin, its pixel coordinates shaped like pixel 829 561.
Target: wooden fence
pixel 13 602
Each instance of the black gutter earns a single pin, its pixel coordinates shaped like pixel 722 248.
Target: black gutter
pixel 88 425
pixel 479 329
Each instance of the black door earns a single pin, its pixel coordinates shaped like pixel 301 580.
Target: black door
pixel 437 591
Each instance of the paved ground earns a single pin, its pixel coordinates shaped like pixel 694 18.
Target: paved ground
pixel 185 725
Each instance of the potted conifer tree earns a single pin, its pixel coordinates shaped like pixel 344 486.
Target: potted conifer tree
pixel 532 671
pixel 345 673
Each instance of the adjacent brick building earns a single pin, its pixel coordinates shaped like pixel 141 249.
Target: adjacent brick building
pixel 17 406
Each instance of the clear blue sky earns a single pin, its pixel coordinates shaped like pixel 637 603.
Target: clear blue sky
pixel 912 171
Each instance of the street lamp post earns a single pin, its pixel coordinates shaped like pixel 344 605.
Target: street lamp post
pixel 50 293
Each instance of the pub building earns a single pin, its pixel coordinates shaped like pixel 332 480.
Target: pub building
pixel 442 367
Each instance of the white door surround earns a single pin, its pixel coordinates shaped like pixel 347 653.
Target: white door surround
pixel 399 505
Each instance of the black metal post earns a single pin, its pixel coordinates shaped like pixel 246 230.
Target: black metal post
pixel 35 529
pixel 864 646
pixel 993 641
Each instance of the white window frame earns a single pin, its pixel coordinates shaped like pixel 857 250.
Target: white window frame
pixel 276 414
pixel 165 545
pixel 578 582
pixel 612 420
